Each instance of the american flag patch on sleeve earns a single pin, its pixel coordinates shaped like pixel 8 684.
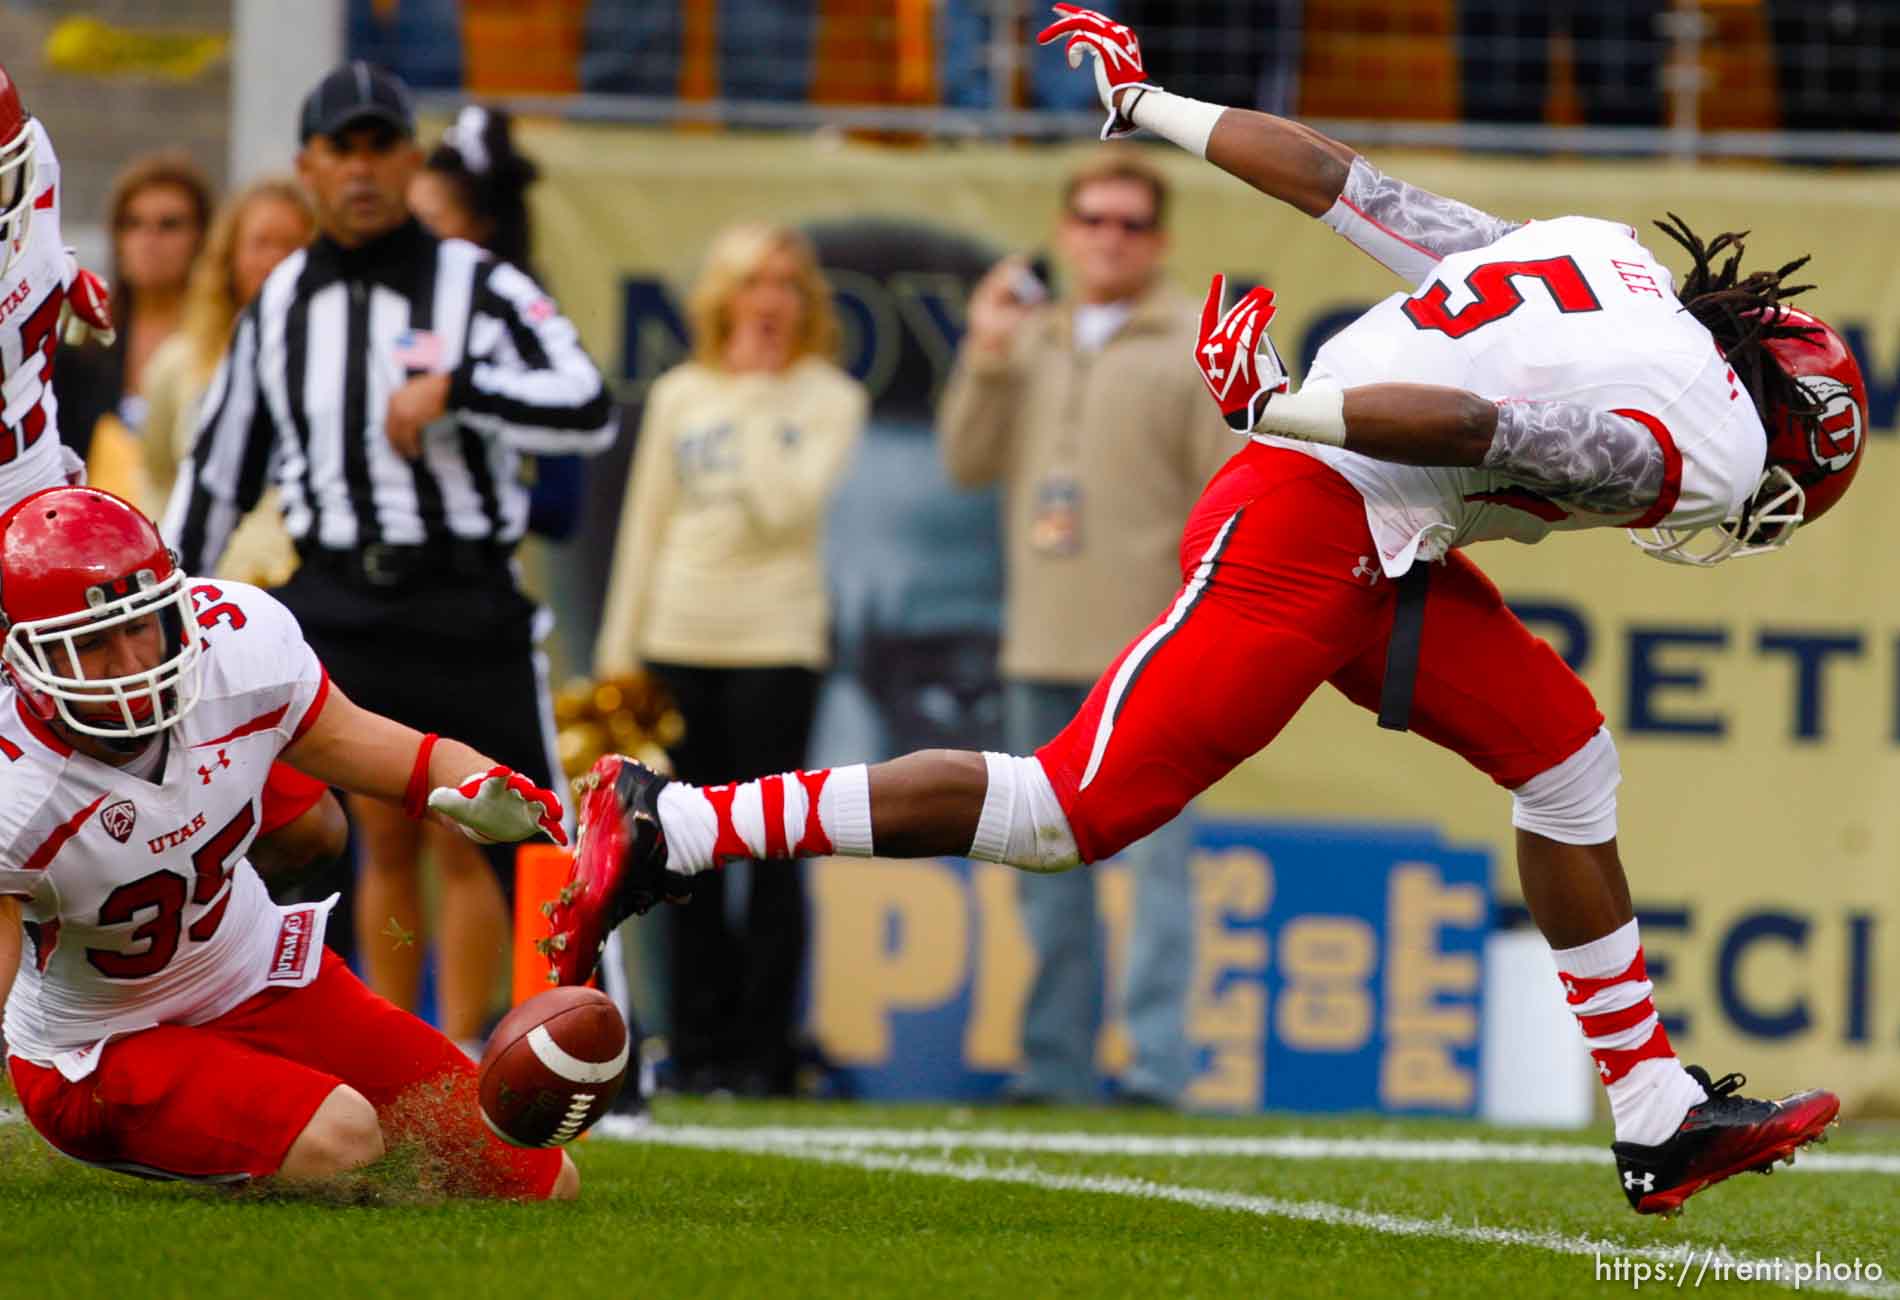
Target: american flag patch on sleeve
pixel 419 350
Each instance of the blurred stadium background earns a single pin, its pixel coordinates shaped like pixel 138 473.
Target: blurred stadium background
pixel 1357 906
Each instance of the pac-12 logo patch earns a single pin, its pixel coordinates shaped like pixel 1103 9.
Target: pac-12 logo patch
pixel 119 819
pixel 1835 435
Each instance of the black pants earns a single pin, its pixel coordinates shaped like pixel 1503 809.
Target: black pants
pixel 454 655
pixel 735 992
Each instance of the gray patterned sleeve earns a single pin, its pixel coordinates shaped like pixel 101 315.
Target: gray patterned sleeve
pixel 1405 228
pixel 1608 464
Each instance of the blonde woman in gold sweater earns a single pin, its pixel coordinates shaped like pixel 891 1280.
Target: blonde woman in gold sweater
pixel 256 229
pixel 263 224
pixel 718 589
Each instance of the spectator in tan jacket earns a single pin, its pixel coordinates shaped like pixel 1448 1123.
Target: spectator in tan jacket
pixel 718 588
pixel 1088 410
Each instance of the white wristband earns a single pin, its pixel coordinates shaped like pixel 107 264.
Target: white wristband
pixel 1311 415
pixel 1187 122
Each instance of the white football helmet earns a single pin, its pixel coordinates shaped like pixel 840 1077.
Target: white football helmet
pixel 19 142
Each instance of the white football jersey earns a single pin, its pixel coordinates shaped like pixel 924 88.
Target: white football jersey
pixel 1573 310
pixel 141 905
pixel 31 294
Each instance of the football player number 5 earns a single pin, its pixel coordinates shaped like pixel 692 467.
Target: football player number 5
pixel 1495 294
pixel 165 892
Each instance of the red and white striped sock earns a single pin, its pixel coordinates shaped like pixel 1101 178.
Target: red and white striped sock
pixel 792 815
pixel 1609 992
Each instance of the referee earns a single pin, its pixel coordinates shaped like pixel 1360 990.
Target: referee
pixel 389 383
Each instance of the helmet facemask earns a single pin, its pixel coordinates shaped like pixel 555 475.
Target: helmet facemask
pixel 42 656
pixel 1766 522
pixel 16 194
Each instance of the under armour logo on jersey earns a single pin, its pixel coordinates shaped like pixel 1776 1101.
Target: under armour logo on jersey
pixel 1603 1069
pixel 1366 570
pixel 1570 989
pixel 1647 1182
pixel 205 772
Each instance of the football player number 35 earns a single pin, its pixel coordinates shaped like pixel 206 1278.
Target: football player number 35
pixel 1495 294
pixel 163 893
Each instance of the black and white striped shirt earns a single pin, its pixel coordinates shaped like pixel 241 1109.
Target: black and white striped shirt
pixel 301 397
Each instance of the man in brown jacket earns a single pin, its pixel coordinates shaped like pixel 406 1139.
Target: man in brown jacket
pixel 1089 411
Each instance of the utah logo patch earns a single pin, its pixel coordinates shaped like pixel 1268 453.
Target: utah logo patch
pixel 119 819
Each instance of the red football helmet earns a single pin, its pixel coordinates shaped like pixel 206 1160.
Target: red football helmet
pixel 76 562
pixel 18 145
pixel 1812 458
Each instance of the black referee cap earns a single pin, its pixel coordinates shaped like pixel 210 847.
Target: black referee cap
pixel 356 92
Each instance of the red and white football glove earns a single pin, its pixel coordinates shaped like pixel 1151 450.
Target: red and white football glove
pixel 500 806
pixel 86 312
pixel 1237 359
pixel 1117 58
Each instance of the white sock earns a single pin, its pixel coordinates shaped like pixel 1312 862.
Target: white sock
pixel 708 826
pixel 1022 823
pixel 1608 990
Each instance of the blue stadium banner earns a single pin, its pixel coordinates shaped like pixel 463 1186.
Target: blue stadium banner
pixel 1337 968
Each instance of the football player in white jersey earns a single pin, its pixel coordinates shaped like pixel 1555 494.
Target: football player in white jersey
pixel 167 1019
pixel 1537 377
pixel 45 296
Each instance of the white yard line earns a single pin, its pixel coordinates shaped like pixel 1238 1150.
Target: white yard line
pixel 1689 1257
pixel 1292 1147
pixel 873 1150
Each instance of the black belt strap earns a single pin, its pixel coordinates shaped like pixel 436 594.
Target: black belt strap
pixel 1401 651
pixel 386 567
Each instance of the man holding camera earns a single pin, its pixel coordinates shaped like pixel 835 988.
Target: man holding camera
pixel 1084 407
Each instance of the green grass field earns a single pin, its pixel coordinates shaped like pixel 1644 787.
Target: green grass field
pixel 806 1200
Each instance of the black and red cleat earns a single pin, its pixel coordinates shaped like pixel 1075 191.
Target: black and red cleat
pixel 619 867
pixel 1725 1135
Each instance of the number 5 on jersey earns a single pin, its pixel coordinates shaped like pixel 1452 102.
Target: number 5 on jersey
pixel 1495 295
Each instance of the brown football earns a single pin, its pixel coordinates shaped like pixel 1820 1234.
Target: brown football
pixel 553 1066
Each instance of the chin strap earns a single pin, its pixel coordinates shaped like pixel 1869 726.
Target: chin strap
pixel 1403 647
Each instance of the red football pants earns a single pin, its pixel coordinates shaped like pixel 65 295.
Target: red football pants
pixel 1282 591
pixel 230 1096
